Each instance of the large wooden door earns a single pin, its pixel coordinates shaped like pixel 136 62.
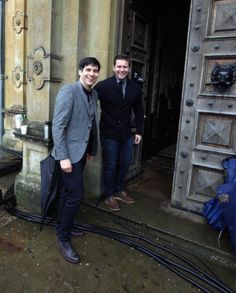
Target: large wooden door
pixel 208 110
pixel 136 44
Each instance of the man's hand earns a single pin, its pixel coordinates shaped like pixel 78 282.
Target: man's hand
pixel 89 157
pixel 66 165
pixel 137 138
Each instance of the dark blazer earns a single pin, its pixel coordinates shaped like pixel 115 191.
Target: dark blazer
pixel 72 123
pixel 117 112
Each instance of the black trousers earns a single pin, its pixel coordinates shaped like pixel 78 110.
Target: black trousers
pixel 70 200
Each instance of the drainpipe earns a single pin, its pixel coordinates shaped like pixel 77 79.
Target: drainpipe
pixel 2 56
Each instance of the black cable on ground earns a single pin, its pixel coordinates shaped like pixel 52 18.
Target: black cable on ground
pixel 178 255
pixel 180 249
pixel 13 152
pixel 170 246
pixel 212 277
pixel 37 219
pixel 212 281
pixel 10 207
pixel 119 236
pixel 153 255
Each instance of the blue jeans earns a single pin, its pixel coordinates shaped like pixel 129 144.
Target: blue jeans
pixel 70 199
pixel 116 161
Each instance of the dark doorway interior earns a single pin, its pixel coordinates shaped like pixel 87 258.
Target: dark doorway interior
pixel 168 35
pixel 169 27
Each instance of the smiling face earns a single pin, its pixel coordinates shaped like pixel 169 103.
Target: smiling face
pixel 121 68
pixel 88 76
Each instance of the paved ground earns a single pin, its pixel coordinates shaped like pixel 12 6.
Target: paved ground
pixel 30 261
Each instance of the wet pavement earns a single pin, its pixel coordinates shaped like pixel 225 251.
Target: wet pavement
pixel 30 261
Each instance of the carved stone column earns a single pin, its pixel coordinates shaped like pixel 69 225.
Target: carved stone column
pixel 15 69
pixel 44 76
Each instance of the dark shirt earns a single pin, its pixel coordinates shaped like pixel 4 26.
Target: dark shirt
pixel 87 93
pixel 91 110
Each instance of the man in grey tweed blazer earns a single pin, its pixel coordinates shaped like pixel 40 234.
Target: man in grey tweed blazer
pixel 74 130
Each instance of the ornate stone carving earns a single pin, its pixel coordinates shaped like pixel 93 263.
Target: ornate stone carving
pixel 18 76
pixel 37 67
pixel 18 22
pixel 43 67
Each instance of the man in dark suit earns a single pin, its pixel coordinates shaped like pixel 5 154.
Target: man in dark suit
pixel 74 131
pixel 119 96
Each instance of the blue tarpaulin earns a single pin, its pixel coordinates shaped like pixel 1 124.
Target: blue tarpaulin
pixel 220 211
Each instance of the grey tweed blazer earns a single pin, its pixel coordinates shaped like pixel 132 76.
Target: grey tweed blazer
pixel 72 123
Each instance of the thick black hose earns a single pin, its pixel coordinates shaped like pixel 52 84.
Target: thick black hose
pixel 37 219
pixel 163 247
pixel 186 251
pixel 113 234
pixel 152 255
pixel 85 227
pixel 13 152
pixel 159 258
pixel 132 234
pixel 48 220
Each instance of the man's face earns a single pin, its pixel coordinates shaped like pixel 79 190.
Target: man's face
pixel 121 69
pixel 88 75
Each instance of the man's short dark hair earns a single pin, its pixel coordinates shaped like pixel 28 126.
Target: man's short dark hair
pixel 122 57
pixel 89 61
